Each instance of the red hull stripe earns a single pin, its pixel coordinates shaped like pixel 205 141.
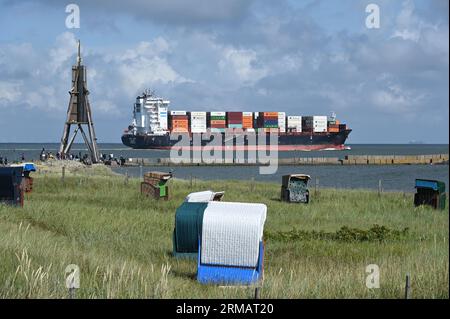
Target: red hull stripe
pixel 281 148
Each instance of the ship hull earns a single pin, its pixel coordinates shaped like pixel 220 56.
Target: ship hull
pixel 286 141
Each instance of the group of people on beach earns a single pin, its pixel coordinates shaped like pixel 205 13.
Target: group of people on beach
pixel 84 158
pixel 4 160
pixel 105 158
pixel 44 156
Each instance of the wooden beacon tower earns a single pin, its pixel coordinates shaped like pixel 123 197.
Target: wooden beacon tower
pixel 79 113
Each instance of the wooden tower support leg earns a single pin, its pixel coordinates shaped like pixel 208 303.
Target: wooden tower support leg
pixel 64 138
pixel 69 145
pixel 86 141
pixel 94 154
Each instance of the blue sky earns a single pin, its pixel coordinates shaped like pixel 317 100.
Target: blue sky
pixel 390 85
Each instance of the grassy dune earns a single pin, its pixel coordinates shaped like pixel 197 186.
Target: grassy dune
pixel 122 242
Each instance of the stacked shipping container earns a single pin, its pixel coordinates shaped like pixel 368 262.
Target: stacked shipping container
pixel 234 119
pixel 307 124
pixel 294 124
pixel 179 121
pixel 247 120
pixel 333 126
pixel 218 121
pixel 267 121
pixel 320 123
pixel 200 122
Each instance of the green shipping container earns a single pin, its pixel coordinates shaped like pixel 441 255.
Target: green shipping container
pixel 188 228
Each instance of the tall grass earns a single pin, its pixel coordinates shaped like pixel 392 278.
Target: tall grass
pixel 122 242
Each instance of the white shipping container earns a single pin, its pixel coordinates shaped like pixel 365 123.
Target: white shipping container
pixel 198 130
pixel 294 124
pixel 199 114
pixel 198 118
pixel 320 123
pixel 247 113
pixel 218 113
pixel 198 123
pixel 319 119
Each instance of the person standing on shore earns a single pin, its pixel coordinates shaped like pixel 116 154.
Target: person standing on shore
pixel 43 156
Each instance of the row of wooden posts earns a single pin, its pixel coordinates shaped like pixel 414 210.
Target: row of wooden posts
pixel 252 181
pixel 407 289
pixel 257 294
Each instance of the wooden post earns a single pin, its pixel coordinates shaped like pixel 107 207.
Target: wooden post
pixel 191 181
pixel 316 188
pixel 140 171
pixel 63 174
pixel 380 188
pixel 257 293
pixel 126 178
pixel 252 184
pixel 408 287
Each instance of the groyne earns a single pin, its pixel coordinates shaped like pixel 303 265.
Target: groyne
pixel 346 160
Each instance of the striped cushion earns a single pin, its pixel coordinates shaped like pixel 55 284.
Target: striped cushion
pixel 231 233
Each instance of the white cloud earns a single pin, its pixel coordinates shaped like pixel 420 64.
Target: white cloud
pixel 244 64
pixel 431 36
pixel 397 100
pixel 9 92
pixel 65 47
pixel 111 77
pixel 144 71
pixel 145 65
pixel 407 35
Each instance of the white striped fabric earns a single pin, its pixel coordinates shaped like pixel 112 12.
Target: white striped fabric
pixel 197 197
pixel 231 233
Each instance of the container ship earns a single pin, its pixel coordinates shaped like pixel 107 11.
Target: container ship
pixel 153 124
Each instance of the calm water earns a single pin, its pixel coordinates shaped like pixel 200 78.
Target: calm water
pixel 394 177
